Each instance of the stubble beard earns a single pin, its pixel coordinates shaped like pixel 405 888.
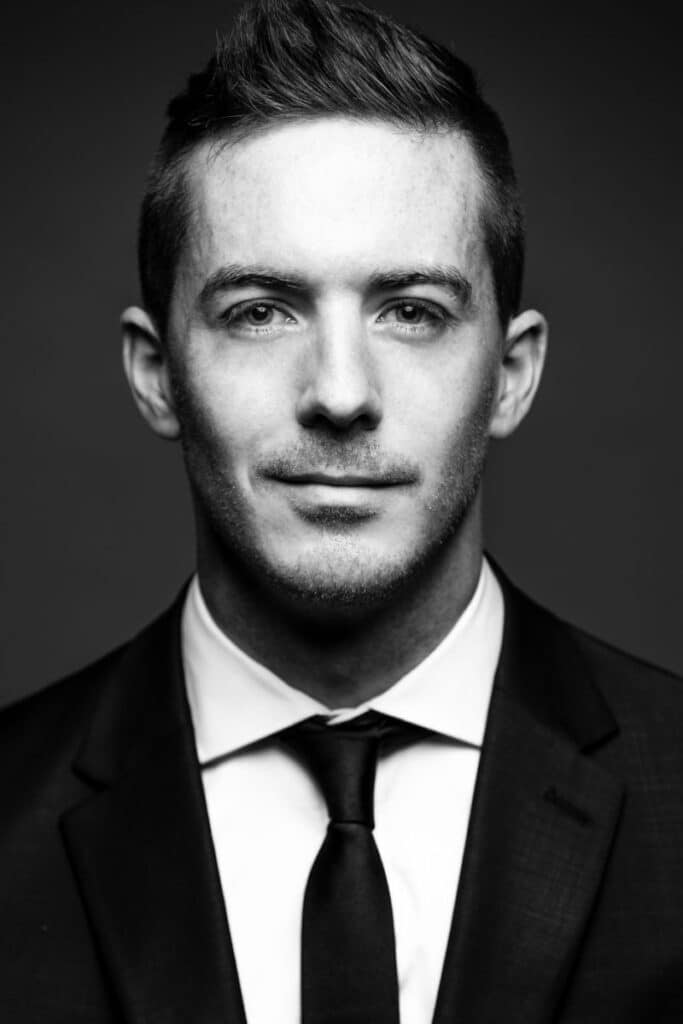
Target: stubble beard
pixel 342 575
pixel 345 577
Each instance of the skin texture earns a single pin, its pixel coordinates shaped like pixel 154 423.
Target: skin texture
pixel 335 420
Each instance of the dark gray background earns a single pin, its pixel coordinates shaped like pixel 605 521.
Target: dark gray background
pixel 584 504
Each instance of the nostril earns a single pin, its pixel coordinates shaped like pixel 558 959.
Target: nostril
pixel 340 411
pixel 336 428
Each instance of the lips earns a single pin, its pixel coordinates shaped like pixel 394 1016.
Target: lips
pixel 346 479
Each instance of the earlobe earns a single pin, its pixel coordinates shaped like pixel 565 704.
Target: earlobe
pixel 520 371
pixel 146 368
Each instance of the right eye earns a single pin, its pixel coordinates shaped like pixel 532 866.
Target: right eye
pixel 256 317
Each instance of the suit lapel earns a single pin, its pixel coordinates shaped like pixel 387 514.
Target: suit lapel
pixel 141 846
pixel 541 828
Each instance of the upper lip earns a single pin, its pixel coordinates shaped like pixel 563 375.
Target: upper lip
pixel 339 479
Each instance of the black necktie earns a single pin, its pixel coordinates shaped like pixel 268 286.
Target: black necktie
pixel 348 953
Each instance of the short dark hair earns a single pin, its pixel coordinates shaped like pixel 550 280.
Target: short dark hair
pixel 301 59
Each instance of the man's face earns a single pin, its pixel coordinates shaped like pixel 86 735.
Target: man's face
pixel 334 348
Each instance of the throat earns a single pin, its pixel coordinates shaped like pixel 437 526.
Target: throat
pixel 343 657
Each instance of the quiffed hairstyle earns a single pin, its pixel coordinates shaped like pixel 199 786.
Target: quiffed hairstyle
pixel 289 60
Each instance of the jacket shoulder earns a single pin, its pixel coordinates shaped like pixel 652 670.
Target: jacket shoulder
pixel 624 680
pixel 73 696
pixel 119 696
pixel 43 731
pixel 631 684
pixel 64 695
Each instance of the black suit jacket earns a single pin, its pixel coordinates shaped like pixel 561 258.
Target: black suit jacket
pixel 570 903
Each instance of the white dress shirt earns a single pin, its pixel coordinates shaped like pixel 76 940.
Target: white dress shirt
pixel 268 818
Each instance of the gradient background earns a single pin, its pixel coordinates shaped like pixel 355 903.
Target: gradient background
pixel 585 503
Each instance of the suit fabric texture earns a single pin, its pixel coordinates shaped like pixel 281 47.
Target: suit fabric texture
pixel 570 902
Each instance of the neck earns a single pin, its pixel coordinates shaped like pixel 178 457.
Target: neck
pixel 349 657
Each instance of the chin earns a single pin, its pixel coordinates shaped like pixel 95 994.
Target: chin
pixel 347 579
pixel 342 588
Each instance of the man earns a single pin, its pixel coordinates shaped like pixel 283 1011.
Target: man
pixel 352 774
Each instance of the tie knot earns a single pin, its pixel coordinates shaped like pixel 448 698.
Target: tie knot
pixel 343 760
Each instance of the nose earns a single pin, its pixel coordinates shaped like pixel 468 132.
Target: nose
pixel 340 387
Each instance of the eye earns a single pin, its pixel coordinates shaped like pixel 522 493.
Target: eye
pixel 256 317
pixel 414 316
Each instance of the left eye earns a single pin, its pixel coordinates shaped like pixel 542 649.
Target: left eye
pixel 411 314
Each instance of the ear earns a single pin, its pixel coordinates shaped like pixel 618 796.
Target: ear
pixel 146 369
pixel 520 372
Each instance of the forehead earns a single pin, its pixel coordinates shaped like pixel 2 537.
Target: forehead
pixel 333 198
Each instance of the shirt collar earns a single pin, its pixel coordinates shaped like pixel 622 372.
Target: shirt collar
pixel 235 701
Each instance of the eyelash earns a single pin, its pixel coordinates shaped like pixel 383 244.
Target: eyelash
pixel 437 316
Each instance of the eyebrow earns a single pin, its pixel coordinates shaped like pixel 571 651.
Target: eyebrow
pixel 235 275
pixel 450 278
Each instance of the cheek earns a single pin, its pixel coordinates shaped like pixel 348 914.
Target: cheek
pixel 222 409
pixel 440 404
